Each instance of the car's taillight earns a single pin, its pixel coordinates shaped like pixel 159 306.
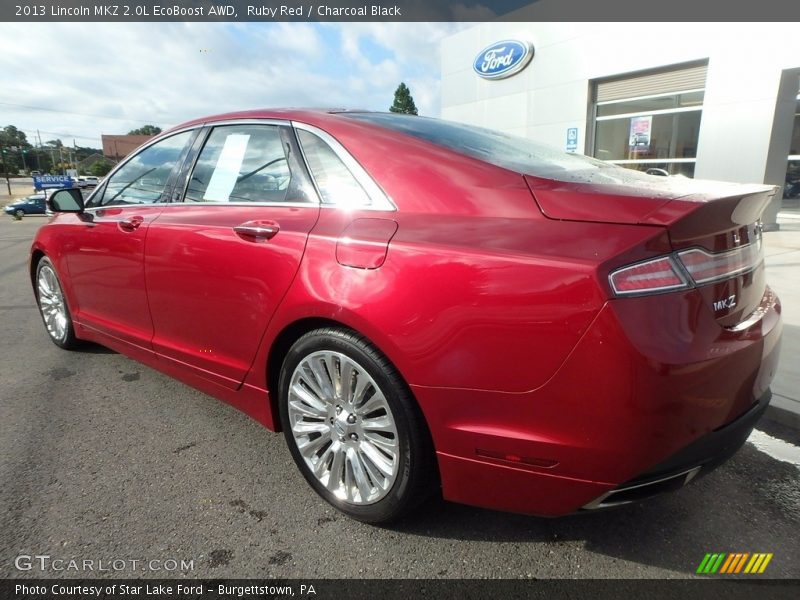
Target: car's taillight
pixel 656 275
pixel 684 270
pixel 705 267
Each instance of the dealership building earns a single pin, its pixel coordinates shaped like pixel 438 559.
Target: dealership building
pixel 705 100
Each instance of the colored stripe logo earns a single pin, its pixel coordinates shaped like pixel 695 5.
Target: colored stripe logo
pixel 734 563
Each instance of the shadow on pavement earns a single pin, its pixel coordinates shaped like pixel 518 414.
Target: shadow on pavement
pixel 674 531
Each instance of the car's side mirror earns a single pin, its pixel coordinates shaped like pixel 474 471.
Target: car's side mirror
pixel 68 201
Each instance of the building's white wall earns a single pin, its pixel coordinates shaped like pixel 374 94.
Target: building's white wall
pixel 740 100
pixel 552 93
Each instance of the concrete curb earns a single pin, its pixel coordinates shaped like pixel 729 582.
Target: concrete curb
pixel 782 416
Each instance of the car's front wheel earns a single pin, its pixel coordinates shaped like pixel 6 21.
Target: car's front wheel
pixel 53 306
pixel 19 213
pixel 353 427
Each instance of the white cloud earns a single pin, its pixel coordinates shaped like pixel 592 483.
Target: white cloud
pixel 416 60
pixel 121 76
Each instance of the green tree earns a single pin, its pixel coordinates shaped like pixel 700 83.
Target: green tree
pixel 13 144
pixel 100 168
pixel 12 136
pixel 403 101
pixel 146 130
pixel 8 161
pixel 83 152
pixel 38 159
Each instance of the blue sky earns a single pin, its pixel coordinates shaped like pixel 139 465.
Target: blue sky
pixel 110 78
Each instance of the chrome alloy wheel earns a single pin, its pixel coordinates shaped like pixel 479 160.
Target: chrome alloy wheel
pixel 343 427
pixel 51 303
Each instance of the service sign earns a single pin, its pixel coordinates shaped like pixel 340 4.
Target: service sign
pixel 503 59
pixel 45 182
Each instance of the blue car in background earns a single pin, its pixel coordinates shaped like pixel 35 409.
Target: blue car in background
pixel 30 205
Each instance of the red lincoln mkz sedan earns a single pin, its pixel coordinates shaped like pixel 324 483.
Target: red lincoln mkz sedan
pixel 424 305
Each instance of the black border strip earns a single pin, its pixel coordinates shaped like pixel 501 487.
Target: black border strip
pixel 632 11
pixel 731 588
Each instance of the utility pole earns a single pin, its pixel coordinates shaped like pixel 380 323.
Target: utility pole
pixel 41 149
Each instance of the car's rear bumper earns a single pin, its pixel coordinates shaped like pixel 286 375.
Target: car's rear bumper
pixel 695 460
pixel 625 407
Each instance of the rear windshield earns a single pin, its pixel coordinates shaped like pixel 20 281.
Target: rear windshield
pixel 508 151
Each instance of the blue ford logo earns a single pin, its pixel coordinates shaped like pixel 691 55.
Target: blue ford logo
pixel 503 59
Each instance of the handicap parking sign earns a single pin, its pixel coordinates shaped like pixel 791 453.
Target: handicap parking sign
pixel 572 139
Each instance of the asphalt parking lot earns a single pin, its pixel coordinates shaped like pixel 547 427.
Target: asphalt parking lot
pixel 102 458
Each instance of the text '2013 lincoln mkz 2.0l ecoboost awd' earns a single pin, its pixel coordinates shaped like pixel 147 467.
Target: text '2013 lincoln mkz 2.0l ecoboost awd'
pixel 422 305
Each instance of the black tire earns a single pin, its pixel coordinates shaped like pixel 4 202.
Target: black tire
pixel 415 476
pixel 19 213
pixel 63 338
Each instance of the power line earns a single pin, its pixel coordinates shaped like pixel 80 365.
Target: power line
pixel 69 112
pixel 61 134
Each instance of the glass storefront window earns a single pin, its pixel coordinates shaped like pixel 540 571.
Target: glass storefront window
pixel 659 131
pixel 673 168
pixel 791 187
pixel 649 105
pixel 671 136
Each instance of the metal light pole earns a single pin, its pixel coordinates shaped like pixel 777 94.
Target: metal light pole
pixel 22 151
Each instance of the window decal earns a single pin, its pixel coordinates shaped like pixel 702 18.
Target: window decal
pixel 226 171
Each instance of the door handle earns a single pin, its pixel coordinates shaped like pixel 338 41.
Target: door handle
pixel 130 224
pixel 257 231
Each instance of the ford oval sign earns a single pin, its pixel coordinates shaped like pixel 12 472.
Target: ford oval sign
pixel 503 59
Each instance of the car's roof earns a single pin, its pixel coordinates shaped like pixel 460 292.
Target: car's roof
pixel 305 115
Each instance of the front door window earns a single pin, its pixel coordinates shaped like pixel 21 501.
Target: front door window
pixel 144 178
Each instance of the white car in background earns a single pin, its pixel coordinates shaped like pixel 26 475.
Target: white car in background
pixel 85 181
pixel 89 181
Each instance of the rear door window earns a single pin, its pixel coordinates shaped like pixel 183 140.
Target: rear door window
pixel 335 182
pixel 242 163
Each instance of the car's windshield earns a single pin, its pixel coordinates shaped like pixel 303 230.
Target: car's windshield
pixel 510 152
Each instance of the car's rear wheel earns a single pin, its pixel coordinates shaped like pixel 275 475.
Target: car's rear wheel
pixel 53 306
pixel 353 427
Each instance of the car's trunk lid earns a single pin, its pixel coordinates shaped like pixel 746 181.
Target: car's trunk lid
pixel 714 229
